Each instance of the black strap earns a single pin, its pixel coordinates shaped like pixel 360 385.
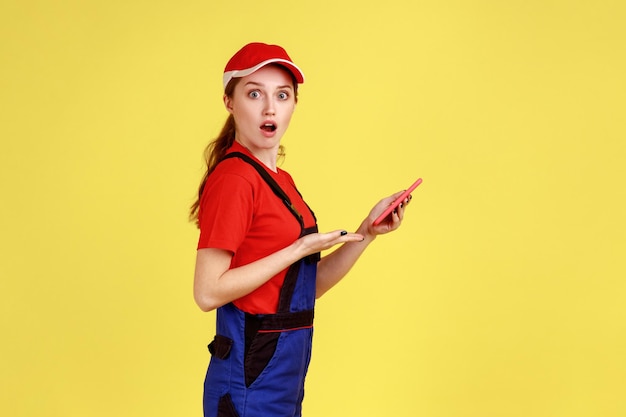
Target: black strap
pixel 270 181
pixel 291 277
pixel 282 321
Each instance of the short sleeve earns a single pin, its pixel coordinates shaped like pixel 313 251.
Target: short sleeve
pixel 226 211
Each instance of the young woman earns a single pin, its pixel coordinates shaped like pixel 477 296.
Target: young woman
pixel 258 259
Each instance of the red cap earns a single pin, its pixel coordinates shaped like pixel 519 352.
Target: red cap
pixel 256 55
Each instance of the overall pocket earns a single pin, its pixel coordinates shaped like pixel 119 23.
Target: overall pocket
pixel 259 354
pixel 220 346
pixel 259 348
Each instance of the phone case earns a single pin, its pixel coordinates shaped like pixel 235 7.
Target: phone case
pixel 397 202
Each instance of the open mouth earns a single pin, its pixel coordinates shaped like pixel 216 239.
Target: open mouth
pixel 268 127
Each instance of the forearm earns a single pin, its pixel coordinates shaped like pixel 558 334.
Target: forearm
pixel 334 266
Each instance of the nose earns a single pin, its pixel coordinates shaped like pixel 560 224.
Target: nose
pixel 269 109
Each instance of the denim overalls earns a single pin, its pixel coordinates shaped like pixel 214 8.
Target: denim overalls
pixel 259 362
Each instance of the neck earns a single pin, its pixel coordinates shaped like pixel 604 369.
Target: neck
pixel 267 156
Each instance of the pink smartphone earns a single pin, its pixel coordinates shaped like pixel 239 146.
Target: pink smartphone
pixel 397 202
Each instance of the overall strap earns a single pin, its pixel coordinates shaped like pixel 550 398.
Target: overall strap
pixel 291 277
pixel 270 181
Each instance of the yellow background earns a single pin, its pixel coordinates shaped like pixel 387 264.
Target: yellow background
pixel 502 295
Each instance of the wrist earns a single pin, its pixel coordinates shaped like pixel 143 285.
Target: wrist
pixel 368 235
pixel 299 249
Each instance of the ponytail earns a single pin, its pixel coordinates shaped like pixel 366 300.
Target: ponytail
pixel 213 153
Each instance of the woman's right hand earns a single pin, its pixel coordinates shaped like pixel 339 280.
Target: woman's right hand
pixel 317 242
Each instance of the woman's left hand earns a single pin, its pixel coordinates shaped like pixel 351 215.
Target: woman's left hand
pixel 391 222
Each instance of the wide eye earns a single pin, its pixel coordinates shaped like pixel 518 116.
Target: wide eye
pixel 254 94
pixel 283 95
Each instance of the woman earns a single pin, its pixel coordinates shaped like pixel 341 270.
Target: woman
pixel 258 259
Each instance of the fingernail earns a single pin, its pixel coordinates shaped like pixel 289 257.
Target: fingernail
pixel 401 205
pixel 343 233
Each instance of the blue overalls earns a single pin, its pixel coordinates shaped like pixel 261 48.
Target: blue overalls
pixel 259 362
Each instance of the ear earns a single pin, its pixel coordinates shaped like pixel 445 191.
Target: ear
pixel 228 103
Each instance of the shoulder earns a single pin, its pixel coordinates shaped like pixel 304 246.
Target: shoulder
pixel 232 179
pixel 234 170
pixel 231 187
pixel 233 166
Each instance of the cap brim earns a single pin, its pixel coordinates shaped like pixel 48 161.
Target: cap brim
pixel 293 68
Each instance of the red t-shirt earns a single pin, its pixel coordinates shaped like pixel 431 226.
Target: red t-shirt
pixel 240 213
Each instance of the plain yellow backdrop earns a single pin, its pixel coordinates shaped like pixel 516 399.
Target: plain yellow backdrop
pixel 501 295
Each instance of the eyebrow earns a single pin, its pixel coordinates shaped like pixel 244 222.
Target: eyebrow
pixel 263 85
